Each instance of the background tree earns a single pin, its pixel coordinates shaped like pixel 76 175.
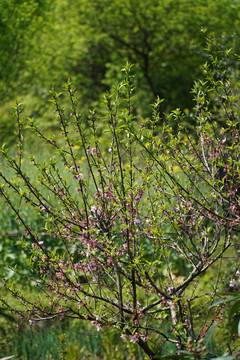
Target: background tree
pixel 45 43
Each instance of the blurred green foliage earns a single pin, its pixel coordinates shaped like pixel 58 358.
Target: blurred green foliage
pixel 44 43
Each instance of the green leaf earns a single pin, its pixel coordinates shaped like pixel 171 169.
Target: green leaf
pixel 209 334
pixel 234 309
pixel 228 51
pixel 235 324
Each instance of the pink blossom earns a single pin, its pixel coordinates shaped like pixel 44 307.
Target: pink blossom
pixel 93 208
pixel 134 338
pixel 99 327
pixel 99 210
pixel 79 176
pixel 123 336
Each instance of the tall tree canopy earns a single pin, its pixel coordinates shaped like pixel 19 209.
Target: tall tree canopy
pixel 46 42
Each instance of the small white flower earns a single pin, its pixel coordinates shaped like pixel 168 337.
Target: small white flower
pixel 99 327
pixel 232 283
pixel 93 208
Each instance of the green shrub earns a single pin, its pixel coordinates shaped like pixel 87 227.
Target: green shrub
pixel 140 217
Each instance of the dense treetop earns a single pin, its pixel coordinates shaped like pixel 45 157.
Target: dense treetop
pixel 44 43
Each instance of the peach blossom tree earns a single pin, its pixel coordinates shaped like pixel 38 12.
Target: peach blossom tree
pixel 141 212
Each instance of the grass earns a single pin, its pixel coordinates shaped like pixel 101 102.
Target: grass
pixel 64 340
